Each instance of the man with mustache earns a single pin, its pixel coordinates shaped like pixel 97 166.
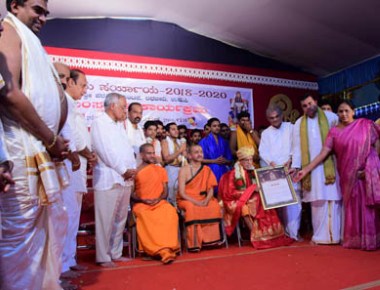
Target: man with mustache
pixel 136 136
pixel 34 110
pixel 320 186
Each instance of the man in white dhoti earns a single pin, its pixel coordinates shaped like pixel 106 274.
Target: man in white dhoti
pixel 321 187
pixel 113 179
pixel 34 110
pixel 174 155
pixel 72 195
pixel 135 133
pixel 275 150
pixel 5 165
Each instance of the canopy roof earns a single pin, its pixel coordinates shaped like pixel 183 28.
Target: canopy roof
pixel 320 37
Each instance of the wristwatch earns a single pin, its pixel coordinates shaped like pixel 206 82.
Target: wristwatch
pixel 251 132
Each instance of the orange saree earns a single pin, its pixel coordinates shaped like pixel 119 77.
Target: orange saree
pixel 201 222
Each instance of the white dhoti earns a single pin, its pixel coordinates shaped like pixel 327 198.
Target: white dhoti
pixel 325 199
pixel 172 172
pixel 111 213
pixel 326 220
pixel 31 246
pixel 291 217
pixel 72 200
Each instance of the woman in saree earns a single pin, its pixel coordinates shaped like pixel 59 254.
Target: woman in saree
pixel 240 196
pixel 354 144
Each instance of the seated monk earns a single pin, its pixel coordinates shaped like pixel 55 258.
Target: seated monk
pixel 156 219
pixel 202 211
pixel 240 196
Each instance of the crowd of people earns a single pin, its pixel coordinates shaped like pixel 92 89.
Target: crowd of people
pixel 164 172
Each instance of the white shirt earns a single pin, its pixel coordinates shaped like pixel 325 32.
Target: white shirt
pixel 319 191
pixel 136 138
pixel 115 154
pixel 3 150
pixel 82 128
pixel 276 144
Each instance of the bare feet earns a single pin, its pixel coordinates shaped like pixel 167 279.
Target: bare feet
pixel 108 265
pixel 69 275
pixel 78 267
pixel 122 259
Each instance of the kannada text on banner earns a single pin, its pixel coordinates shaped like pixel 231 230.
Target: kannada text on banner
pixel 183 103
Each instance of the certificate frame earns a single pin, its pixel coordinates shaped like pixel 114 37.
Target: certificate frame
pixel 275 187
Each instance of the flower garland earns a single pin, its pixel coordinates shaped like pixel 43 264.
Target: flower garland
pixel 240 182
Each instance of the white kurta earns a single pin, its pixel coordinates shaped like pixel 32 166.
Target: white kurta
pixel 136 138
pixel 80 122
pixel 276 146
pixel 72 195
pixel 112 193
pixel 172 172
pixel 319 191
pixel 325 199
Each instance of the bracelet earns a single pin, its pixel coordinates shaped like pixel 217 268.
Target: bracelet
pixel 51 145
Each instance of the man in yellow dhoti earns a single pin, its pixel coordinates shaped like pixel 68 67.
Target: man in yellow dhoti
pixel 156 219
pixel 196 184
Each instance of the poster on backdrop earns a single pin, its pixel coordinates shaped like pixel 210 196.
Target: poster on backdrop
pixel 183 103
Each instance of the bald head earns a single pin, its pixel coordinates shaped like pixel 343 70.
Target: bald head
pixel 63 73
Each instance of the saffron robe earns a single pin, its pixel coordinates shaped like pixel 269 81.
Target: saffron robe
pixel 201 222
pixel 157 225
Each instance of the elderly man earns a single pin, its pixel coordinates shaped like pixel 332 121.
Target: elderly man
pixel 241 198
pixel 113 179
pixel 276 149
pixel 156 219
pixel 320 187
pixel 135 133
pixel 34 110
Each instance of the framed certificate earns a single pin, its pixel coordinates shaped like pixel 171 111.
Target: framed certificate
pixel 275 186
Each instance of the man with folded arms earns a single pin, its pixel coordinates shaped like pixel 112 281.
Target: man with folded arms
pixel 113 179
